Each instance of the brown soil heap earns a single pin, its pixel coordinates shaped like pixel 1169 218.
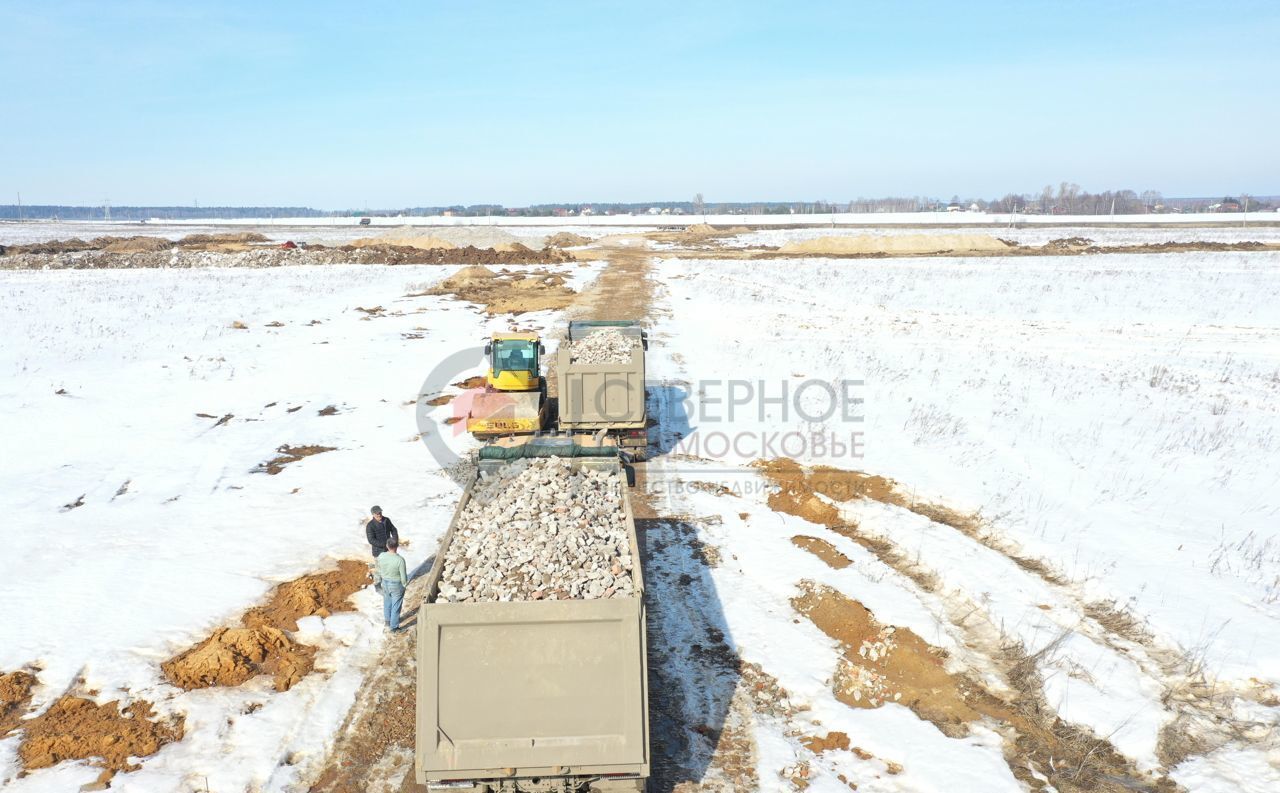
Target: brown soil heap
pixel 507 293
pixel 381 253
pixel 823 550
pixel 886 664
pixel 261 645
pixel 109 244
pixel 832 741
pixel 74 728
pixel 318 594
pixel 290 454
pixel 138 245
pixel 15 695
pixel 232 656
pixel 147 252
pixel 567 239
pixel 229 237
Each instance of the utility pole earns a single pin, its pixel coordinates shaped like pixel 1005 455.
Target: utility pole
pixel 1244 219
pixel 21 216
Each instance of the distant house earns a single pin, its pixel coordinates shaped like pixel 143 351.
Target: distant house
pixel 974 208
pixel 1228 205
pixel 448 213
pixel 954 208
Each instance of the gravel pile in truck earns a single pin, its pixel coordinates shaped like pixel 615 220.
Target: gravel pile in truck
pixel 603 347
pixel 540 530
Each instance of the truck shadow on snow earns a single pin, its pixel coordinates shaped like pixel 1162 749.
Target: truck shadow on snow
pixel 669 415
pixel 693 667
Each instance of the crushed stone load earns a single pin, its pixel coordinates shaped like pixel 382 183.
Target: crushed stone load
pixel 603 346
pixel 540 530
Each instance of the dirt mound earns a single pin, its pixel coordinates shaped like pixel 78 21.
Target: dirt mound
pixel 426 242
pixel 261 646
pixel 506 293
pixel 232 656
pixel 289 454
pixel 223 238
pixel 90 256
pixel 15 695
pixel 1183 247
pixel 107 244
pixel 899 244
pixel 138 245
pixel 391 254
pixel 823 550
pixel 108 735
pixel 701 228
pixel 318 594
pixel 1068 243
pixel 566 239
pixel 832 741
pixel 886 664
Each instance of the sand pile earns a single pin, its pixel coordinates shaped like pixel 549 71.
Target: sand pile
pixel 506 293
pixel 897 244
pixel 540 529
pixel 450 238
pixel 487 237
pixel 566 239
pixel 261 646
pixel 76 729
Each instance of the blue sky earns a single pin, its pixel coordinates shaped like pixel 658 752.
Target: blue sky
pixel 420 103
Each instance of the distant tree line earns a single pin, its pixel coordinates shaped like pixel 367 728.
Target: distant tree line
pixel 104 212
pixel 1066 199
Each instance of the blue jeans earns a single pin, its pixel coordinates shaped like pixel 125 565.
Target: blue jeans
pixel 392 597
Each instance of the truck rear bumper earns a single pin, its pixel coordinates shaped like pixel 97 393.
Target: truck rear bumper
pixel 629 784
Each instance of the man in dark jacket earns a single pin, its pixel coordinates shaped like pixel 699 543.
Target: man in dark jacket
pixel 378 530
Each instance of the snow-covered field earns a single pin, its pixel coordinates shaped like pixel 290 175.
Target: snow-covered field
pixel 1115 418
pixel 1024 235
pixel 177 535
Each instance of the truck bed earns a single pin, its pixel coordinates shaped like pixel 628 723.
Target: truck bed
pixel 606 395
pixel 533 689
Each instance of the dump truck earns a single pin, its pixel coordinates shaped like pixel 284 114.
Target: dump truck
pixel 542 696
pixel 605 397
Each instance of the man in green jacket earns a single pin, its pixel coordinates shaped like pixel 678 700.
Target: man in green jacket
pixel 390 572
